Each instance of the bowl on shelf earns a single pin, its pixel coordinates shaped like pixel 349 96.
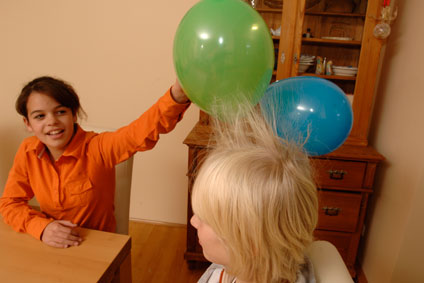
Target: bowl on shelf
pixel 304 66
pixel 306 58
pixel 305 62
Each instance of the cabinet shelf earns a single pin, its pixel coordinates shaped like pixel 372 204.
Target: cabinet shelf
pixel 268 10
pixel 332 14
pixel 320 41
pixel 332 77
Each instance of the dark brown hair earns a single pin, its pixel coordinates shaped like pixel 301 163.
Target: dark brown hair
pixel 57 89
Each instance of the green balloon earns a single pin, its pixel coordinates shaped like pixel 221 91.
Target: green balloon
pixel 223 54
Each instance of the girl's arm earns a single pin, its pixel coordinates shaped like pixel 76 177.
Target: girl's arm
pixel 143 133
pixel 14 203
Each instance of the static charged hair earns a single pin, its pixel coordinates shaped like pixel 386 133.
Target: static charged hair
pixel 257 193
pixel 57 89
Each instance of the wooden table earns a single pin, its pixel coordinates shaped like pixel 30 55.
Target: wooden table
pixel 101 257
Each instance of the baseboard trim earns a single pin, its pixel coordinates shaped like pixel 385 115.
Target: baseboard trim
pixel 158 222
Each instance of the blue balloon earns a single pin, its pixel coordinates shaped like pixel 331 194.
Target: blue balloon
pixel 309 110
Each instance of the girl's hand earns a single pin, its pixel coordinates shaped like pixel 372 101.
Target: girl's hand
pixel 178 93
pixel 61 234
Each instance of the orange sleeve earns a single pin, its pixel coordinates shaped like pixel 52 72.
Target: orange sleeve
pixel 14 203
pixel 143 133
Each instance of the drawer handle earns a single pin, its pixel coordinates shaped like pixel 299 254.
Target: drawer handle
pixel 331 211
pixel 337 174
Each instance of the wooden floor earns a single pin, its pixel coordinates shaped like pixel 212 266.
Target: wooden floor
pixel 158 254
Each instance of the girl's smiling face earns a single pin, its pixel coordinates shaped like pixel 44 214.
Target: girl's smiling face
pixel 51 122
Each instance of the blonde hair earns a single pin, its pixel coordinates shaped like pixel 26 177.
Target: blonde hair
pixel 256 192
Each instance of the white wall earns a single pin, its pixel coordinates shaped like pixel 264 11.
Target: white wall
pixel 394 249
pixel 118 56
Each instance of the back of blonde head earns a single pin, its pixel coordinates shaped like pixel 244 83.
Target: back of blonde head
pixel 256 192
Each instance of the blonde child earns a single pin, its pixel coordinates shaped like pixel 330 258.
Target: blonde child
pixel 255 204
pixel 71 172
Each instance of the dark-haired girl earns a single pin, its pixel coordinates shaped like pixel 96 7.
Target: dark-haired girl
pixel 71 172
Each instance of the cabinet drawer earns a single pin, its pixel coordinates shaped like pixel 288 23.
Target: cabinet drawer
pixel 338 211
pixel 337 173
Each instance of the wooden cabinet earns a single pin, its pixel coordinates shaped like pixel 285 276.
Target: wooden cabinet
pixel 341 32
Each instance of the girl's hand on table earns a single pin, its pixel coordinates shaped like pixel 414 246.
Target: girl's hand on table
pixel 61 234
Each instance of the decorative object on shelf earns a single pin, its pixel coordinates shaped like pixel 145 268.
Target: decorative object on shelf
pixel 319 70
pixel 276 32
pixel 275 4
pixel 329 68
pixel 382 30
pixel 216 64
pixel 310 111
pixel 307 34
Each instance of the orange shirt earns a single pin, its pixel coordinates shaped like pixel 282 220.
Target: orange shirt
pixel 80 185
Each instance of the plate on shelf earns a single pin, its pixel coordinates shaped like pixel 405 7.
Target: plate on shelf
pixel 336 38
pixel 345 71
pixel 346 68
